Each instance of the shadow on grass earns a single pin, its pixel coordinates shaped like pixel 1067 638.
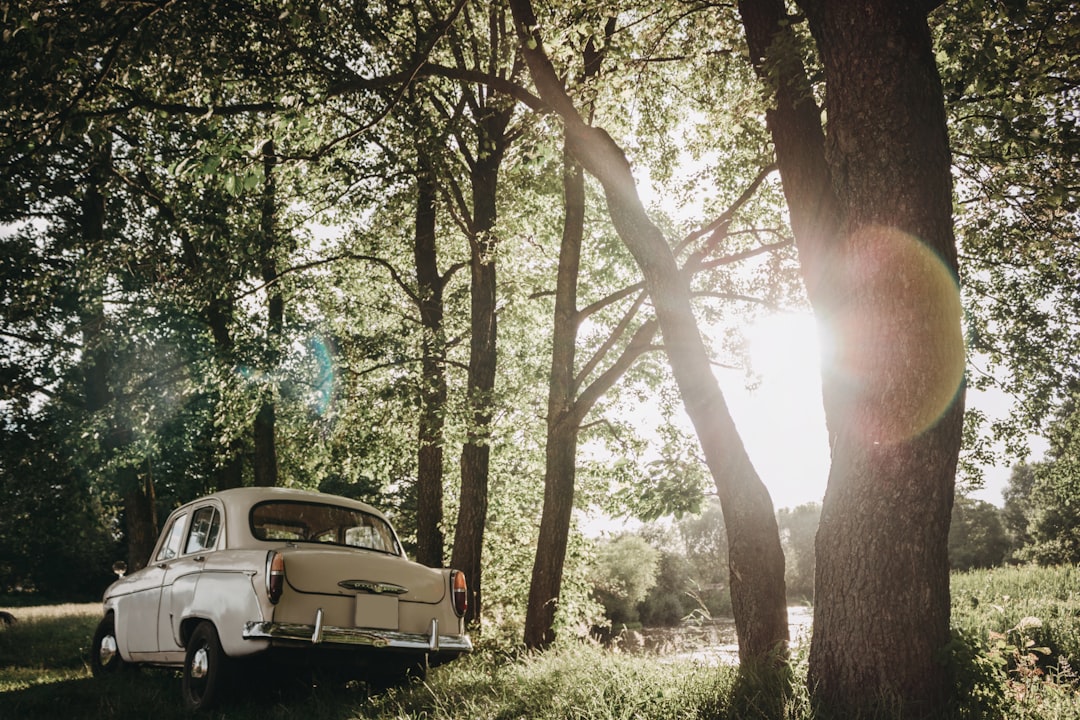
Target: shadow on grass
pixel 142 694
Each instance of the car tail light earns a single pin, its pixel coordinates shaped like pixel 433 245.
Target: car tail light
pixel 459 592
pixel 275 575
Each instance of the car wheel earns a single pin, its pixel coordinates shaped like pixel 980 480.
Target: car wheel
pixel 104 655
pixel 205 669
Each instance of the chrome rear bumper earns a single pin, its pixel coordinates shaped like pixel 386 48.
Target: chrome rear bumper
pixel 320 634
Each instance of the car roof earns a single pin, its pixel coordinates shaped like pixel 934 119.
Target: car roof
pixel 239 501
pixel 249 496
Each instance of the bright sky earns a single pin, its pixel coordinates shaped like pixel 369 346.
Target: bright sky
pixel 782 422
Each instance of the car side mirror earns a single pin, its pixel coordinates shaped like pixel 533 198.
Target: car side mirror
pixel 120 568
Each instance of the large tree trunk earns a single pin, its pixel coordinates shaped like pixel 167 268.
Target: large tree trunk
pixel 433 391
pixel 880 264
pixel 476 452
pixel 756 560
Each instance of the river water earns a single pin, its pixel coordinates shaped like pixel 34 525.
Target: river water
pixel 711 643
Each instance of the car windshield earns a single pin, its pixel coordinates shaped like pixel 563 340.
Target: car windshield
pixel 297 521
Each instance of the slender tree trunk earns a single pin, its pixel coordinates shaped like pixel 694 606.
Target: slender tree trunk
pixel 433 391
pixel 879 260
pixel 140 517
pixel 265 463
pixel 565 411
pixel 230 474
pixel 756 560
pixel 476 452
pixel 563 422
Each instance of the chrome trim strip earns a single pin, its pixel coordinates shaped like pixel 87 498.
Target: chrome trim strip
pixel 317 633
pixel 369 637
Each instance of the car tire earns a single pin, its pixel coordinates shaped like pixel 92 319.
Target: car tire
pixel 104 655
pixel 205 676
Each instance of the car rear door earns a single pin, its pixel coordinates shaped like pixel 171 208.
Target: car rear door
pixel 182 575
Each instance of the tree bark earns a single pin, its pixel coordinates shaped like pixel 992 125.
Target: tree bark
pixel 433 390
pixel 879 259
pixel 476 452
pixel 756 560
pixel 563 422
pixel 140 517
pixel 265 463
pixel 219 313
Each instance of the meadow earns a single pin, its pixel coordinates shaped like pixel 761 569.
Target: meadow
pixel 1015 655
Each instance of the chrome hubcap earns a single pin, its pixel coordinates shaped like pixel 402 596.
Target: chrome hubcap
pixel 107 651
pixel 199 664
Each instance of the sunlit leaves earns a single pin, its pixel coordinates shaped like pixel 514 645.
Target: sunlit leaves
pixel 1011 85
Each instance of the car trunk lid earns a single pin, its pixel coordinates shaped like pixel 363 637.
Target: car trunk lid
pixel 350 571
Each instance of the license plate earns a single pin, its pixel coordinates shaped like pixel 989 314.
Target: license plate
pixel 377 611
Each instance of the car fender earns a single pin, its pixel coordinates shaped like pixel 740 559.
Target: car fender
pixel 228 599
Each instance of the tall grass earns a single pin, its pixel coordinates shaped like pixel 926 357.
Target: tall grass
pixel 1018 631
pixel 995 601
pixel 998 661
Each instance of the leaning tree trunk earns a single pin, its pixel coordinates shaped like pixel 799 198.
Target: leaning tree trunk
pixel 756 560
pixel 871 209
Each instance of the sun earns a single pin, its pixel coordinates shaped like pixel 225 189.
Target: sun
pixel 781 420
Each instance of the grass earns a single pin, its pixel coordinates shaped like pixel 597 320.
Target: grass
pixel 995 601
pixel 1023 625
pixel 1004 672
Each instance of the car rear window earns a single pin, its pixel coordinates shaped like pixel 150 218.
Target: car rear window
pixel 298 521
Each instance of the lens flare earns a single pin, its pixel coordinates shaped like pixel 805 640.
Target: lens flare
pixel 325 380
pixel 896 358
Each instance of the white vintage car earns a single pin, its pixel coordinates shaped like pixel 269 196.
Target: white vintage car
pixel 308 579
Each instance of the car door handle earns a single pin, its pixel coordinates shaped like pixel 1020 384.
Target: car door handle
pixel 200 558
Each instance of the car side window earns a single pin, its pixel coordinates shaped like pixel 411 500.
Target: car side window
pixel 205 524
pixel 174 535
